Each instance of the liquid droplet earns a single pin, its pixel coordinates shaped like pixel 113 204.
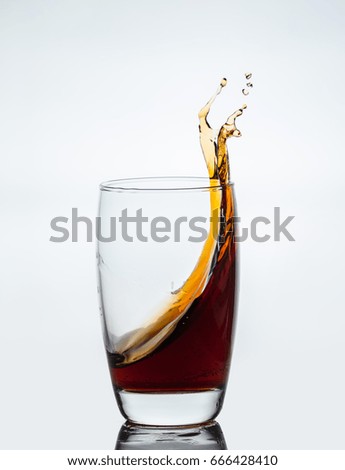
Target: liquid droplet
pixel 249 85
pixel 248 75
pixel 245 92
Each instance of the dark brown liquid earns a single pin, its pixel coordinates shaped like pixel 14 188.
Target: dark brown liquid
pixel 187 346
pixel 196 356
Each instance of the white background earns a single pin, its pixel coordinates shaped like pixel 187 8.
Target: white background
pixel 94 90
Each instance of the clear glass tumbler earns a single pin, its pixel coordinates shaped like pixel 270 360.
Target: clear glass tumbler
pixel 167 282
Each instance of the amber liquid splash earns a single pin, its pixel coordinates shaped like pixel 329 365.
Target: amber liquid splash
pixel 187 346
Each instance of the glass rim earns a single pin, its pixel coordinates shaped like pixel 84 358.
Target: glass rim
pixel 149 183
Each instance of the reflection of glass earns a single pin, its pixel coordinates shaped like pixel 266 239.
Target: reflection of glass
pixel 206 437
pixel 168 308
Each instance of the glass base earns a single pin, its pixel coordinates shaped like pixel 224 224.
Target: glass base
pixel 207 436
pixel 170 409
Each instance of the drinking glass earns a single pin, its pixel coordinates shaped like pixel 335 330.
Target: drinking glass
pixel 167 283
